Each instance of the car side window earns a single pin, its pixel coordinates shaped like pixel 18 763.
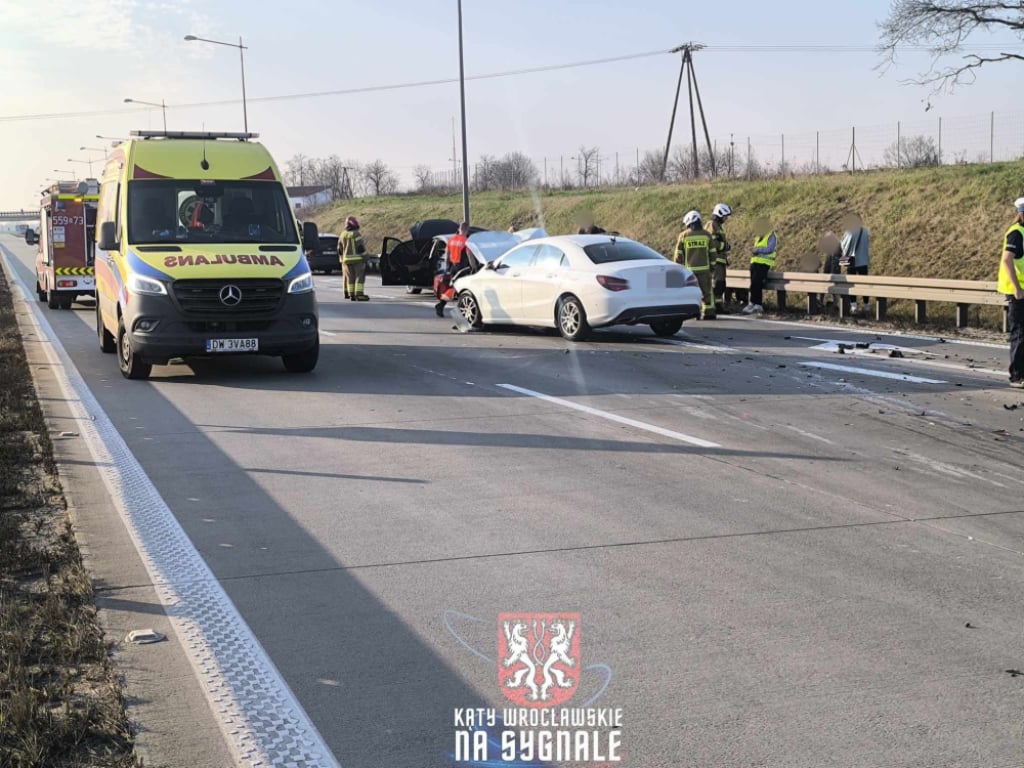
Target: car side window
pixel 519 258
pixel 548 257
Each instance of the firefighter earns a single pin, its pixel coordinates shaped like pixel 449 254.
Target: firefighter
pixel 456 249
pixel 352 252
pixel 693 249
pixel 720 251
pixel 1011 284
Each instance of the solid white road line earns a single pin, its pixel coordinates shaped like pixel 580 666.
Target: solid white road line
pixel 875 332
pixel 613 417
pixel 262 721
pixel 870 372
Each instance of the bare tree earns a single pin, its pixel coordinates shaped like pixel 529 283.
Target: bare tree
pixel 912 152
pixel 650 167
pixel 379 178
pixel 587 158
pixel 299 171
pixel 514 170
pixel 943 26
pixel 424 178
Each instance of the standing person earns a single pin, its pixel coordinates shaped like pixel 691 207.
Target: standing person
pixel 720 250
pixel 762 260
pixel 353 260
pixel 856 255
pixel 455 249
pixel 1011 283
pixel 693 250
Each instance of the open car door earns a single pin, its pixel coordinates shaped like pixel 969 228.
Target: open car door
pixel 402 263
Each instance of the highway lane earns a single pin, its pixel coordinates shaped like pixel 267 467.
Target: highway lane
pixel 795 595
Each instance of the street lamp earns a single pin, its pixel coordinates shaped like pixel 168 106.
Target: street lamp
pixel 161 105
pixel 241 59
pixel 72 160
pixel 114 140
pixel 58 170
pixel 462 99
pixel 93 149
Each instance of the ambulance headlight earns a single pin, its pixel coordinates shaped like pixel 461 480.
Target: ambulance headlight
pixel 146 285
pixel 301 284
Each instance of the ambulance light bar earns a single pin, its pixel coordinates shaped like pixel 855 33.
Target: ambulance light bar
pixel 209 135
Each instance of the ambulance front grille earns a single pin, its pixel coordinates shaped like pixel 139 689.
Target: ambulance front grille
pixel 259 296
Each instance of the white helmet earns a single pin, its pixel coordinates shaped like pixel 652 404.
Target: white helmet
pixel 1019 204
pixel 693 217
pixel 721 211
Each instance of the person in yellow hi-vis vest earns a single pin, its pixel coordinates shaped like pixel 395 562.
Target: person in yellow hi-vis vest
pixel 1011 284
pixel 352 252
pixel 693 250
pixel 766 246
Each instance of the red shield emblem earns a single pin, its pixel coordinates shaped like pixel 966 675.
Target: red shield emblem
pixel 539 657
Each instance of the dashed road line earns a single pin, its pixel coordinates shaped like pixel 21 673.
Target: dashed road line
pixel 871 372
pixel 681 437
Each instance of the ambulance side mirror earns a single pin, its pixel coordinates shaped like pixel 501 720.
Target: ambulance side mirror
pixel 108 237
pixel 310 235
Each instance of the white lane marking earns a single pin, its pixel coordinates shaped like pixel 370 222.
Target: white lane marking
pixel 894 334
pixel 327 333
pixel 873 349
pixel 262 721
pixel 698 345
pixel 870 372
pixel 612 417
pixel 811 435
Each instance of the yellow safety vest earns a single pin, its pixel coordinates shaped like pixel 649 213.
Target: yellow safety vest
pixel 765 258
pixel 350 246
pixel 1005 286
pixel 694 250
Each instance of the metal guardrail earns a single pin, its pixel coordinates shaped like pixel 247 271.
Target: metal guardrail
pixel 816 286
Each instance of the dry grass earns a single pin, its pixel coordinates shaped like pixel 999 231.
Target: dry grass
pixel 937 222
pixel 60 702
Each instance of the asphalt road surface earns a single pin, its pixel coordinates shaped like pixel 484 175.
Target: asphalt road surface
pixel 783 555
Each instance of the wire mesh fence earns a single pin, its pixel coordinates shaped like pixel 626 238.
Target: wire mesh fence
pixel 930 141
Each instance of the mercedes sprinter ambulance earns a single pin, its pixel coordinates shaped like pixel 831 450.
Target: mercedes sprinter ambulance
pixel 199 254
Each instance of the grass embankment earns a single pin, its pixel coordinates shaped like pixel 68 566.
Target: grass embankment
pixel 937 222
pixel 60 702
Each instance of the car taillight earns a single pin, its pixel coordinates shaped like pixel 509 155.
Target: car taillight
pixel 691 281
pixel 613 283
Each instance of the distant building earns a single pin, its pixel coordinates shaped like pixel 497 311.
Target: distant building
pixel 307 197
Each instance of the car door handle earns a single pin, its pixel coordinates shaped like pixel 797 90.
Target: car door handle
pixel 515 274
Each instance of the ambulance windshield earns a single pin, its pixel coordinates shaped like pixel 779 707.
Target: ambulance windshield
pixel 189 211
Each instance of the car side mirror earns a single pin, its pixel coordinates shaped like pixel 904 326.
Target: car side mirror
pixel 108 237
pixel 490 265
pixel 310 234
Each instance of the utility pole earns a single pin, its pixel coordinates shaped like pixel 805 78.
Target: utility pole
pixel 686 68
pixel 462 98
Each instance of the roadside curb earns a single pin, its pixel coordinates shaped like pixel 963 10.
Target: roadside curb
pixel 163 582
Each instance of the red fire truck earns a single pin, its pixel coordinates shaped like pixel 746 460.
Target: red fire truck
pixel 67 243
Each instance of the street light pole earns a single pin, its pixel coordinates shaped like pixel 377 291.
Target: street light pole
pixel 462 98
pixel 240 45
pixel 162 105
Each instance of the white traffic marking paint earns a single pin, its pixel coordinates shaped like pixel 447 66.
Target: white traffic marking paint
pixel 698 345
pixel 894 334
pixel 262 721
pixel 831 345
pixel 327 333
pixel 810 435
pixel 870 372
pixel 612 417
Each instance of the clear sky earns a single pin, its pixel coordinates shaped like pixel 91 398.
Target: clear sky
pixel 59 57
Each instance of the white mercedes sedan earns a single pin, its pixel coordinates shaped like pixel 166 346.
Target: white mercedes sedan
pixel 579 282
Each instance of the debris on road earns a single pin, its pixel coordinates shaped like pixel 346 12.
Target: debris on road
pixel 145 636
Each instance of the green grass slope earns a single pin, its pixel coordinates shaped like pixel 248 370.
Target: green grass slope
pixel 935 222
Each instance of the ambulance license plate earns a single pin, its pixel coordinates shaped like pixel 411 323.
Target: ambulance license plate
pixel 232 345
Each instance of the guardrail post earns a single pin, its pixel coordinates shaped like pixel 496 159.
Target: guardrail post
pixel 781 297
pixel 881 308
pixel 844 306
pixel 962 315
pixel 920 311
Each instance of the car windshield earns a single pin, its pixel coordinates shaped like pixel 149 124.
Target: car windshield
pixel 328 243
pixel 619 250
pixel 192 211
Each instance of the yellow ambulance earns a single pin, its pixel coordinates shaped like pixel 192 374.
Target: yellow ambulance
pixel 198 253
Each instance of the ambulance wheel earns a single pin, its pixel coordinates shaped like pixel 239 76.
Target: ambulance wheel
pixel 302 362
pixel 108 343
pixel 130 364
pixel 40 292
pixel 52 300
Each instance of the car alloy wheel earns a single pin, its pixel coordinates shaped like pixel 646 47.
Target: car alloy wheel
pixel 469 308
pixel 572 319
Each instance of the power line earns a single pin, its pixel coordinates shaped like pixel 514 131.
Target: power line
pixel 794 48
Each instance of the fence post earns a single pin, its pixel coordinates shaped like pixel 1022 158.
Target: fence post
pixel 899 153
pixel 992 137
